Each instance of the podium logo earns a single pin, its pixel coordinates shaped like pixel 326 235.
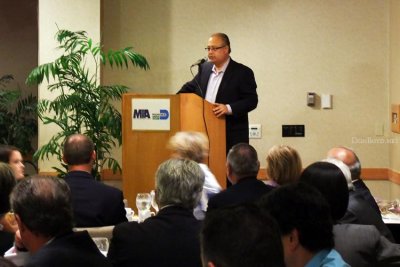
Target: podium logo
pixel 141 114
pixel 145 114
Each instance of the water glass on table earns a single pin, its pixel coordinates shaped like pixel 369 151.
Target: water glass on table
pixel 143 204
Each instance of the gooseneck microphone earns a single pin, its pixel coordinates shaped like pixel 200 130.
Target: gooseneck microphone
pixel 198 63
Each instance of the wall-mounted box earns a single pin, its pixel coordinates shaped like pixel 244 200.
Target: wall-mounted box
pixel 395 118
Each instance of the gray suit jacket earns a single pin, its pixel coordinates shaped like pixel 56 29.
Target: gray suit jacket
pixel 363 245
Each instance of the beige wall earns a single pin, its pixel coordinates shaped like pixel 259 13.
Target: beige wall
pixel 335 47
pixel 66 14
pixel 394 77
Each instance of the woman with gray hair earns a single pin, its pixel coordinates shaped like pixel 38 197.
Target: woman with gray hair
pixel 195 146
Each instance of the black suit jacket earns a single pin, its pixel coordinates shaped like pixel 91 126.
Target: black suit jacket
pixel 360 212
pixel 94 203
pixel 171 238
pixel 71 249
pixel 362 190
pixel 238 89
pixel 245 190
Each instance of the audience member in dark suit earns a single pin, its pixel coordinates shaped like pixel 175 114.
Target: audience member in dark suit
pixel 42 207
pixel 94 203
pixel 228 84
pixel 7 183
pixel 305 225
pixel 242 168
pixel 241 236
pixel 349 157
pixel 359 245
pixel 170 238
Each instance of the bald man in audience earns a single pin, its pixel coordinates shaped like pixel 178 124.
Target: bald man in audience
pixel 349 157
pixel 94 203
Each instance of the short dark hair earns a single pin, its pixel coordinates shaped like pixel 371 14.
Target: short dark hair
pixel 5 152
pixel 330 181
pixel 243 160
pixel 224 38
pixel 241 236
pixel 300 206
pixel 78 149
pixel 43 205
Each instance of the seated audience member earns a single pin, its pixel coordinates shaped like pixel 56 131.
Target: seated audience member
pixel 242 168
pixel 240 236
pixel 42 207
pixel 7 183
pixel 12 156
pixel 358 210
pixel 194 146
pixel 283 165
pixel 170 238
pixel 349 157
pixel 305 225
pixel 94 203
pixel 359 245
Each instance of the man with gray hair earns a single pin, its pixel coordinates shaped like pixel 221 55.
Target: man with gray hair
pixel 42 207
pixel 170 238
pixel 242 167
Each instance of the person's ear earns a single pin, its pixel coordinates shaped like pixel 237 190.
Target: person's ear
pixel 210 264
pixel 21 225
pixel 294 239
pixel 93 156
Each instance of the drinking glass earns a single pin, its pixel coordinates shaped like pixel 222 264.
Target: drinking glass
pixel 102 244
pixel 153 200
pixel 143 203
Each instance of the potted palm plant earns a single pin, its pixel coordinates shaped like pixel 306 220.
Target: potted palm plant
pixel 18 119
pixel 82 104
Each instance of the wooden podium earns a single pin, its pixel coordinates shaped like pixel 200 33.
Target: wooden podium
pixel 143 150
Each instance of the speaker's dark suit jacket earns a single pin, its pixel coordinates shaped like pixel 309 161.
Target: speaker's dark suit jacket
pixel 238 89
pixel 171 238
pixel 71 249
pixel 94 203
pixel 245 190
pixel 362 190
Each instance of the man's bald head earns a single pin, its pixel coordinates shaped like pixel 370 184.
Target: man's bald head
pixel 348 157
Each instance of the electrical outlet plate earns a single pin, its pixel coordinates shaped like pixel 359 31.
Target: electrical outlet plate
pixel 255 131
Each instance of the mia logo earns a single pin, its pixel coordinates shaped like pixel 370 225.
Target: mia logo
pixel 141 114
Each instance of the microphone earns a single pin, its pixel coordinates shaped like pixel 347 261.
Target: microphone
pixel 199 62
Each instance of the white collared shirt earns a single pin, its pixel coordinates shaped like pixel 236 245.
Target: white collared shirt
pixel 215 81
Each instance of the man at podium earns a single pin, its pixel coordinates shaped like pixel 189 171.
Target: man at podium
pixel 231 86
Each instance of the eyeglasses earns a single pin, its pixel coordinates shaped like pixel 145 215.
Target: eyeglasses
pixel 214 48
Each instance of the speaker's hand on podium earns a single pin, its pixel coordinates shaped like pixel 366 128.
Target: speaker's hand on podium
pixel 220 110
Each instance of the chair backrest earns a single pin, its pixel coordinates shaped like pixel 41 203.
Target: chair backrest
pixel 103 231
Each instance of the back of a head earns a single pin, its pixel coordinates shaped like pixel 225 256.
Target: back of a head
pixel 300 206
pixel 348 157
pixel 189 145
pixel 241 236
pixel 179 182
pixel 78 149
pixel 43 204
pixel 283 164
pixel 330 181
pixel 243 160
pixel 7 183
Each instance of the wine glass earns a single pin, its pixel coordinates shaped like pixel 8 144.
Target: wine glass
pixel 143 203
pixel 153 200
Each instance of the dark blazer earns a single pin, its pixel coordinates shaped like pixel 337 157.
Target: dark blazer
pixel 94 203
pixel 362 190
pixel 171 238
pixel 238 89
pixel 71 249
pixel 363 245
pixel 245 190
pixel 360 212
